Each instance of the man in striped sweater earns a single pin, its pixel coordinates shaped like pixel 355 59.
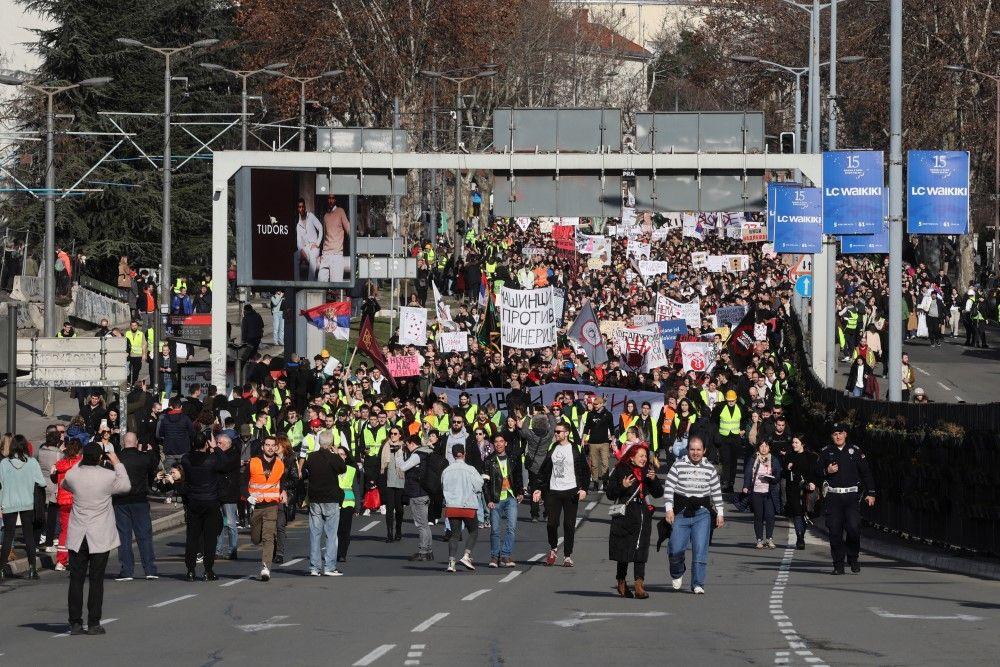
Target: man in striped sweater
pixel 693 493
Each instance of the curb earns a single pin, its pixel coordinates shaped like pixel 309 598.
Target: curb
pixel 935 560
pixel 160 525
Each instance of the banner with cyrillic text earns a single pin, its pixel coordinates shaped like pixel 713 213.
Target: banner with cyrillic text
pixel 527 319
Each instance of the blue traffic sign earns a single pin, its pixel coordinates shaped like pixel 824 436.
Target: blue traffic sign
pixel 804 286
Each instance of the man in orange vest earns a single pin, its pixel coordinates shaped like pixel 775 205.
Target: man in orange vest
pixel 266 496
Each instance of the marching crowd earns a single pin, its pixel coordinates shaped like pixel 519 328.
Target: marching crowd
pixel 338 441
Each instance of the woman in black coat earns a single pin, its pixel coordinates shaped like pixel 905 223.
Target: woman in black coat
pixel 800 466
pixel 630 482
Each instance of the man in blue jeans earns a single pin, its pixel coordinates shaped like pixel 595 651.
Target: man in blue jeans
pixel 693 493
pixel 321 471
pixel 132 509
pixel 503 491
pixel 229 497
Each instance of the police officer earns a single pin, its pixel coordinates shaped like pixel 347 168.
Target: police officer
pixel 846 474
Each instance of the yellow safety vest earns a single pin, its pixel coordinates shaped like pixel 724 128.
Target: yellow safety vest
pixel 730 425
pixel 346 481
pixel 135 340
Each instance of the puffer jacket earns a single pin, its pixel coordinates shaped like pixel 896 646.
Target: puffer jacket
pixel 536 445
pixel 176 431
pixel 64 497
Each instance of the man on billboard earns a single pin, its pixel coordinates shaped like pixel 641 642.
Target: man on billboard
pixel 309 233
pixel 336 228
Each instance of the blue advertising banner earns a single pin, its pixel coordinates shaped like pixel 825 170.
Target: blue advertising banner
pixel 798 220
pixel 937 192
pixel 852 191
pixel 670 330
pixel 771 188
pixel 870 244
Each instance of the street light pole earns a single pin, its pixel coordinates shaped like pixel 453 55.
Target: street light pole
pixel 243 75
pixel 302 81
pixel 831 240
pixel 434 147
pixel 895 199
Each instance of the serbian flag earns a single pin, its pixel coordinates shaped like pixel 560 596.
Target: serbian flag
pixel 333 318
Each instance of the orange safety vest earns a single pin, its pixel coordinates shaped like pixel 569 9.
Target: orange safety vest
pixel 267 489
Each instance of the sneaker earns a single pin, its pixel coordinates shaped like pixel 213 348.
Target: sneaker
pixel 333 573
pixel 124 577
pixel 856 568
pixel 210 576
pixel 381 510
pixel 494 562
pixel 507 562
pixel 698 590
pixel 466 561
pixel 800 545
pixel 200 559
pixel 416 557
pixel 96 630
pixel 551 558
pixel 77 629
pixel 760 544
pixel 770 543
pixel 51 549
pixel 429 556
pixel 60 567
pixel 451 565
pixel 314 572
pixel 151 577
pixel 265 574
pixel 567 562
pixel 677 583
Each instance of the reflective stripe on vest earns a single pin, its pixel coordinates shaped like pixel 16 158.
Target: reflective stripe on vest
pixel 730 425
pixel 266 489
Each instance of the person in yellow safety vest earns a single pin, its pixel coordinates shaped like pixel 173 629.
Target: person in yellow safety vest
pixel 483 422
pixel 438 419
pixel 67 331
pixel 262 425
pixel 729 418
pixel 346 481
pixel 266 497
pixel 646 427
pixel 280 392
pixel 392 416
pixel 136 350
pixel 852 328
pixel 711 396
pixel 179 284
pixel 466 408
pixel 293 427
pixel 372 436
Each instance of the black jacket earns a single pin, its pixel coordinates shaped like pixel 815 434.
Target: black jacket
pixel 322 468
pixel 141 468
pixel 599 427
pixel 493 486
pixel 629 538
pixel 252 327
pixel 176 431
pixel 201 476
pixel 230 479
pixel 580 469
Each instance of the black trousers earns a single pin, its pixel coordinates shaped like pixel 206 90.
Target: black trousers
pixel 344 531
pixel 84 565
pixel 51 521
pixel 621 571
pixel 934 328
pixel 392 498
pixel 134 368
pixel 729 446
pixel 204 523
pixel 565 503
pixel 842 515
pixel 27 531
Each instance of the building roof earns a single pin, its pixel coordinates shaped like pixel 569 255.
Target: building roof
pixel 604 39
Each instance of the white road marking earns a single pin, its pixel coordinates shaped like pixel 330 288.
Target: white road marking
pixel 510 577
pixel 595 616
pixel 920 370
pixel 591 505
pixel 579 520
pixel 411 662
pixel 418 646
pixel 66 634
pixel 269 624
pixel 560 541
pixel 472 596
pixel 430 621
pixel 165 603
pixel 374 655
pixel 367 528
pixel 233 582
pixel 959 399
pixel 291 562
pixel 944 386
pixel 536 557
pixel 878 611
pixel 782 622
pixel 414 654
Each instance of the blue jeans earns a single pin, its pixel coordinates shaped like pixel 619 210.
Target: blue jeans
pixel 324 519
pixel 505 511
pixel 230 534
pixel 134 518
pixel 278 328
pixel 695 531
pixel 857 391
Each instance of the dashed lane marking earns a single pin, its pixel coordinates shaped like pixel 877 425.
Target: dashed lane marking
pixel 536 557
pixel 782 622
pixel 472 596
pixel 374 655
pixel 430 621
pixel 369 526
pixel 510 577
pixel 591 505
pixel 234 582
pixel 166 602
pixel 291 562
pixel 66 634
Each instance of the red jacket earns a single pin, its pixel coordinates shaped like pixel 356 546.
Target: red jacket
pixel 64 497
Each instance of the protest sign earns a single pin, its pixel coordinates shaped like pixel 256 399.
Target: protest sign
pixel 637 250
pixel 523 223
pixel 698 356
pixel 660 234
pixel 531 251
pixel 670 330
pixel 527 320
pixel 651 268
pixel 614 398
pixel 754 232
pixel 545 225
pixel 564 237
pixel 693 226
pixel 403 366
pixel 558 304
pixel 729 315
pixel 760 332
pixel 667 309
pixel 699 259
pixel 412 326
pixel 609 327
pixel 642 320
pixel 453 341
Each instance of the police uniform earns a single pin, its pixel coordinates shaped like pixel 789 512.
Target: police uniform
pixel 844 490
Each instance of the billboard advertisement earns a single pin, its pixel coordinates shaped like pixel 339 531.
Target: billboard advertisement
pixel 287 236
pixel 870 244
pixel 852 191
pixel 937 192
pixel 798 220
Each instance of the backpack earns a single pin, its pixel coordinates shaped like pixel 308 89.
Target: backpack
pixel 432 465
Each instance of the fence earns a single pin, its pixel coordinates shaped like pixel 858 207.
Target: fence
pixel 936 466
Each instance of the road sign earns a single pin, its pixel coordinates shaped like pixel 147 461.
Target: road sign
pixel 72 362
pixel 804 286
pixel 801 267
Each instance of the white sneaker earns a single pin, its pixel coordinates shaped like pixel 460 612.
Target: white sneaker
pixel 333 573
pixel 451 565
pixel 200 559
pixel 760 544
pixel 60 567
pixel 51 549
pixel 698 590
pixel 124 578
pixel 313 573
pixel 381 509
pixel 770 543
pixel 677 583
pixel 265 574
pixel 467 561
pixel 151 577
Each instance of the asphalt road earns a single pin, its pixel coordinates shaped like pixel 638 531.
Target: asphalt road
pixel 762 607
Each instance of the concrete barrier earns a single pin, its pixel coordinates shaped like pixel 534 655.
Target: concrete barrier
pixel 92 307
pixel 29 289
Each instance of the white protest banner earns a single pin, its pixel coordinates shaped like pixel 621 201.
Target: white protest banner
pixel 768 250
pixel 628 216
pixel 651 268
pixel 585 243
pixel 663 310
pixel 637 250
pixel 527 320
pixel 545 225
pixel 698 356
pixel 630 276
pixel 760 332
pixel 602 250
pixel 569 221
pixel 727 263
pixel 614 398
pixel 412 326
pixel 641 348
pixel 454 341
pixel 730 315
pixel 734 231
pixel 754 232
pixel 442 310
pixel 699 259
pixel 558 304
pixel 403 366
pixel 660 234
pixel 523 223
pixel 668 309
pixel 642 320
pixel 532 250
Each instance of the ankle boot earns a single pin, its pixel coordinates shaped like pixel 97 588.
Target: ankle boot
pixel 640 590
pixel 623 590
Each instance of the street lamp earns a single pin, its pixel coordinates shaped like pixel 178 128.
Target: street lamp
pixel 458 77
pixel 995 78
pixel 302 81
pixel 165 249
pixel 243 75
pixel 50 90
